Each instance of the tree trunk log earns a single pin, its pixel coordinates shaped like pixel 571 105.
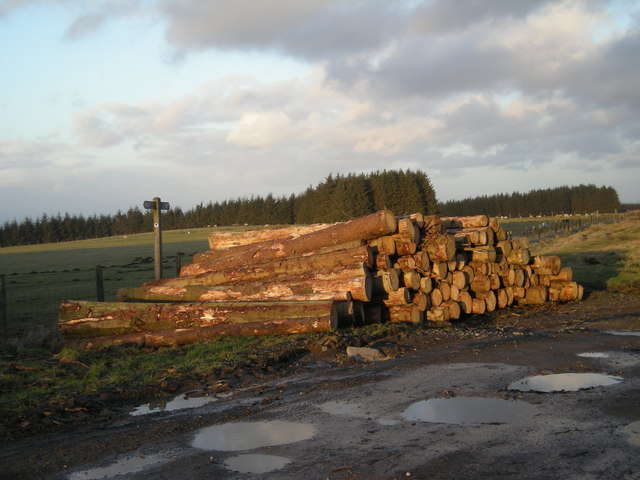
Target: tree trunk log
pixel 547 265
pixel 465 301
pixel 272 271
pixel 314 286
pixel 384 244
pixel 405 313
pixel 466 222
pixel 114 318
pixel 223 240
pixel 535 296
pixel 440 248
pixel 170 338
pixel 363 228
pixel 439 314
pixel 401 296
pixel 564 275
pixel 386 281
pixel 519 256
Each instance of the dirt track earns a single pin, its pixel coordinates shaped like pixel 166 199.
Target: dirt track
pixel 351 411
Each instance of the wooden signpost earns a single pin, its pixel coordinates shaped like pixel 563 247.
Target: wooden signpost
pixel 157 206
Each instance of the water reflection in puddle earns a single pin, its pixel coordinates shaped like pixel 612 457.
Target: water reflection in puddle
pixel 255 463
pixel 632 432
pixel 622 333
pixel 121 467
pixel 178 403
pixel 342 408
pixel 469 410
pixel 563 382
pixel 387 422
pixel 593 355
pixel 247 435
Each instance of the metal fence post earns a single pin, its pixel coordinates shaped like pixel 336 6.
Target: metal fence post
pixel 99 284
pixel 4 321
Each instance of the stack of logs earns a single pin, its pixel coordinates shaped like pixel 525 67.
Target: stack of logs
pixel 321 277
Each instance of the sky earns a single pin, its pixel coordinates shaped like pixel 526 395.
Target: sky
pixel 107 103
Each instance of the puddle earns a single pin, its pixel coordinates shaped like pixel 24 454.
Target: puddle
pixel 387 422
pixel 469 410
pixel 563 382
pixel 178 403
pixel 593 355
pixel 255 463
pixel 342 408
pixel 247 435
pixel 622 333
pixel 632 431
pixel 121 467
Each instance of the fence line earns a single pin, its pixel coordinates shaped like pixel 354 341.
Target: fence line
pixel 31 300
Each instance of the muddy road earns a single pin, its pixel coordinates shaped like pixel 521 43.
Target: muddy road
pixel 443 404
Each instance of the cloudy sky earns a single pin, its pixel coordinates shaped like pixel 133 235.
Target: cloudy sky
pixel 107 103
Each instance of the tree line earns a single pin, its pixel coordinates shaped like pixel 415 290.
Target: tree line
pixel 336 198
pixel 551 201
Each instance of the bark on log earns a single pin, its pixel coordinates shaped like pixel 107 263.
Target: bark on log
pixel 109 318
pixel 363 228
pixel 465 222
pixel 432 224
pixel 222 240
pixel 170 338
pixel 329 285
pixel 271 271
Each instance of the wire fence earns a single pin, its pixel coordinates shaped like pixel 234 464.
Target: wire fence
pixel 31 301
